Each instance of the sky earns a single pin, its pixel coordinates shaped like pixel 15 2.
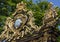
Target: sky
pixel 55 2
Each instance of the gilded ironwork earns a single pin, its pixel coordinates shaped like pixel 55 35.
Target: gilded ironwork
pixel 22 28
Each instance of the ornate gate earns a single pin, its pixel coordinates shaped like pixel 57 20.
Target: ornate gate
pixel 21 28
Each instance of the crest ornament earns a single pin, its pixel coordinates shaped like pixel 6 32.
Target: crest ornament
pixel 20 25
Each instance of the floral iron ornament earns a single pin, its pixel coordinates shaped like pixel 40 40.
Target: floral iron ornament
pixel 47 32
pixel 22 28
pixel 20 25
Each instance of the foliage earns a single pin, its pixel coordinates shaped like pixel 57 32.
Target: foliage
pixel 39 9
pixel 58 40
pixel 58 24
pixel 7 7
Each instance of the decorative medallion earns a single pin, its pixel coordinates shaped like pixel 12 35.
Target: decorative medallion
pixel 22 24
pixel 17 23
